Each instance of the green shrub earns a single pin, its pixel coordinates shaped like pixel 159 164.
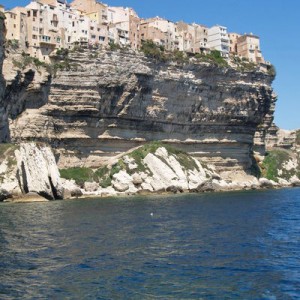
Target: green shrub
pixel 14 44
pixel 214 57
pixel 271 70
pixel 150 49
pixel 113 46
pixel 26 61
pixel 62 52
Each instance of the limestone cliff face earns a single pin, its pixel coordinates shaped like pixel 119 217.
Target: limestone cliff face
pixel 107 105
pixel 24 89
pixel 2 82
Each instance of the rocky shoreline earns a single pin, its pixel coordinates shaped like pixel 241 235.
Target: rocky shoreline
pixel 29 173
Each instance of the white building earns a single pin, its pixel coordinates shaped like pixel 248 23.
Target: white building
pixel 218 39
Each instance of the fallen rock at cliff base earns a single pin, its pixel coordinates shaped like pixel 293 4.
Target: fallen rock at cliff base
pixel 38 172
pixel 266 183
pixel 4 194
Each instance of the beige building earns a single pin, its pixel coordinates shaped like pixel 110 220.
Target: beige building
pixel 16 25
pixel 95 10
pixel 248 45
pixel 124 26
pixel 186 37
pixel 233 41
pixel 171 40
pixel 134 32
pixel 201 38
pixel 154 34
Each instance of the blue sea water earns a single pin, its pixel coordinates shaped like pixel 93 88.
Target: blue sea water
pixel 240 245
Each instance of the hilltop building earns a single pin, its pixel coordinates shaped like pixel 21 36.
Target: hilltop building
pixel 218 39
pixel 44 26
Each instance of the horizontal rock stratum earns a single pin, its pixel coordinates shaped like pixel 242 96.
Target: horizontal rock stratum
pixel 110 102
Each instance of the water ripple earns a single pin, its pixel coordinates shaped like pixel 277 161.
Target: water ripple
pixel 214 246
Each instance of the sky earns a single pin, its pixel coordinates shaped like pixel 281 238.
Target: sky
pixel 276 22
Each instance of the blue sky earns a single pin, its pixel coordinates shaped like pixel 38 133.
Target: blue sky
pixel 277 22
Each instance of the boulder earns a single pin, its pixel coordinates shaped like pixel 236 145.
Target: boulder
pixel 294 181
pixel 137 179
pixel 71 189
pixel 123 182
pixel 283 182
pixel 4 194
pixel 91 186
pixel 120 186
pixel 266 183
pixel 205 186
pixel 38 172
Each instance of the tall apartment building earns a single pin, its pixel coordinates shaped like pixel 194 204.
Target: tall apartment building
pixel 218 39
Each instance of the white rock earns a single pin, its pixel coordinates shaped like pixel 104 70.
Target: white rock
pixel 38 170
pixel 130 162
pixel 295 181
pixel 137 179
pixel 91 186
pixel 147 187
pixel 122 182
pixel 283 182
pixel 264 182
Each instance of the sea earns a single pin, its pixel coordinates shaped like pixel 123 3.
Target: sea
pixel 235 245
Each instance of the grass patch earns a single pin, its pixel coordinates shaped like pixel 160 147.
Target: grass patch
pixel 80 175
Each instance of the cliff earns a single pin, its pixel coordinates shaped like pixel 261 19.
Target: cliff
pixel 109 102
pixel 3 117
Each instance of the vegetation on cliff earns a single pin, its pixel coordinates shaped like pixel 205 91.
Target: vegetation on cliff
pixel 280 163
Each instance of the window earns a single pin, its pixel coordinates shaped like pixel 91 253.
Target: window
pixel 28 13
pixel 34 13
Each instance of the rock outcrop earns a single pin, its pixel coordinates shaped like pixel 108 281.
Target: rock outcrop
pixel 156 168
pixel 110 102
pixel 282 160
pixel 29 168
